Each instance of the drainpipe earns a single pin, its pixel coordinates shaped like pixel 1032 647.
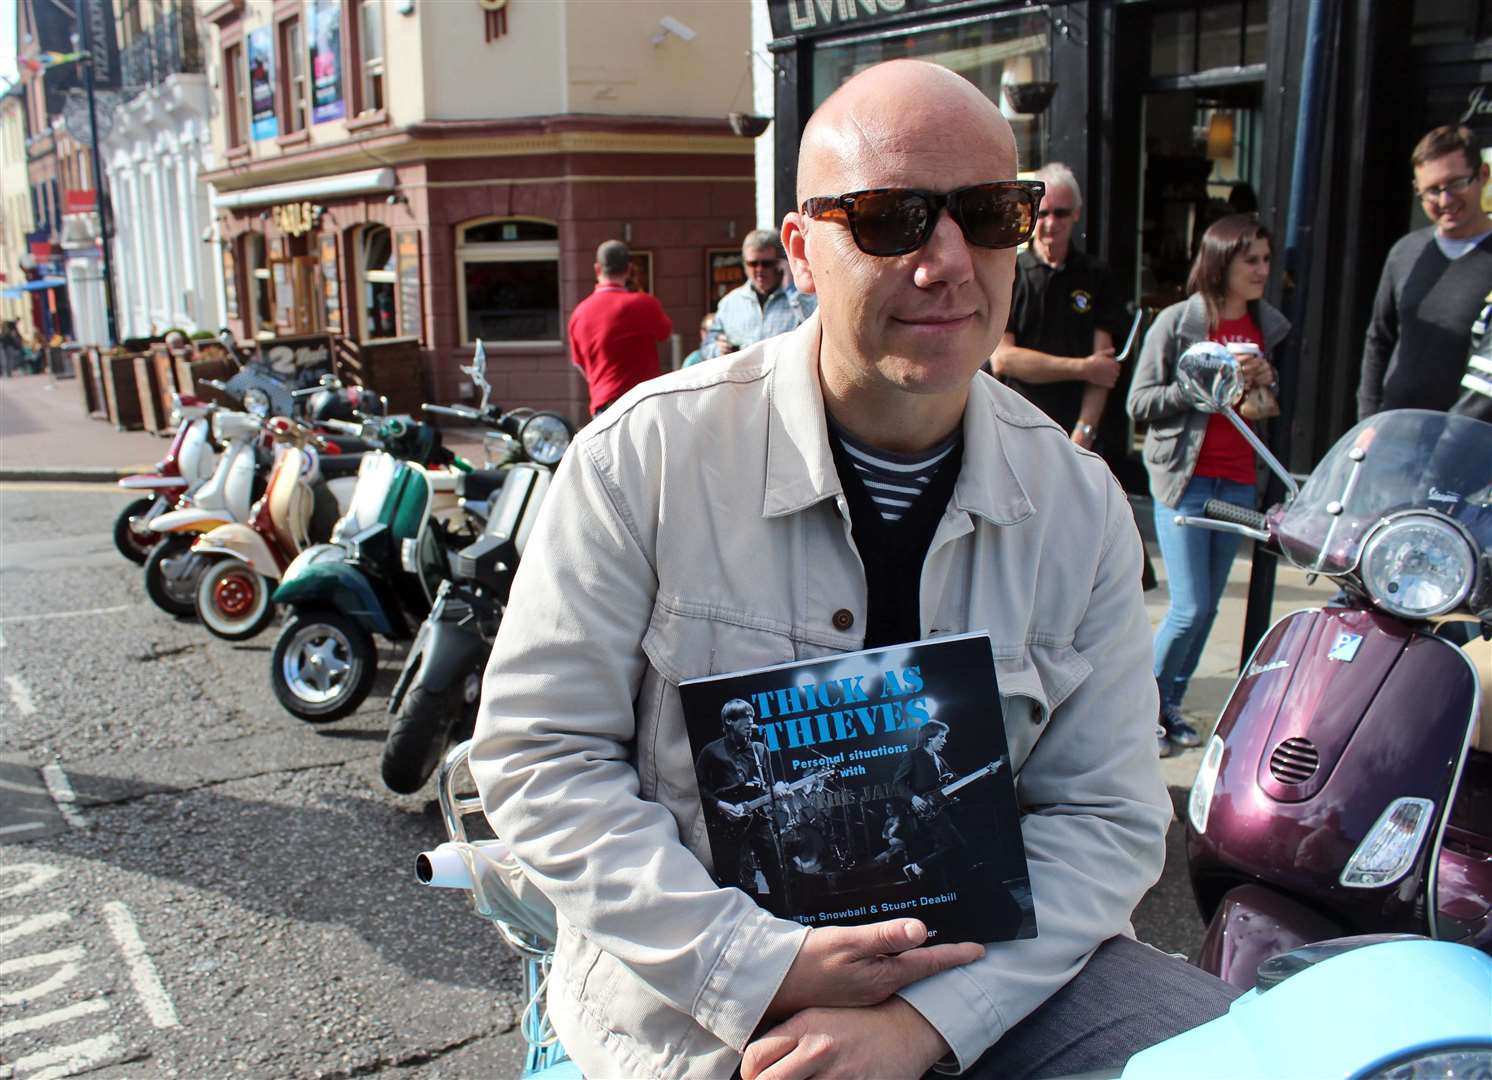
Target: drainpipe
pixel 1300 226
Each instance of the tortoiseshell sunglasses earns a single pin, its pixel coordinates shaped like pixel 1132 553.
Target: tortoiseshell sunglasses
pixel 894 221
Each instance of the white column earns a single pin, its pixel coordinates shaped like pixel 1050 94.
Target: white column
pixel 160 257
pixel 187 297
pixel 140 253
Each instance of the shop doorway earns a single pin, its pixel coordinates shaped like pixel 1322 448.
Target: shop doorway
pixel 1200 161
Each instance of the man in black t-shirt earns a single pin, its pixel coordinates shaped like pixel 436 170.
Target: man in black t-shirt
pixel 1058 347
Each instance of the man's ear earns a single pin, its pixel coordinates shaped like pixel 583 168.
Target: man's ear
pixel 795 243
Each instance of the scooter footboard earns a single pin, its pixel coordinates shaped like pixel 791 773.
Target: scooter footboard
pixel 1253 923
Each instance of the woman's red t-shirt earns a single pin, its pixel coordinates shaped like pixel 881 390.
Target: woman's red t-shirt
pixel 1226 454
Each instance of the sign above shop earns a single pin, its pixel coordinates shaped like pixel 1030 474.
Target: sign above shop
pixel 791 18
pixel 1478 106
pixel 296 219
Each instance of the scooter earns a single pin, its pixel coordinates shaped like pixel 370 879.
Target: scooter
pixel 1386 1007
pixel 1347 788
pixel 434 700
pixel 244 559
pixel 188 463
pixel 171 570
pixel 386 557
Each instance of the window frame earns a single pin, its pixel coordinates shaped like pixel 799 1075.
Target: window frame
pixel 362 106
pixel 286 51
pixel 504 252
pixel 364 278
pixel 236 94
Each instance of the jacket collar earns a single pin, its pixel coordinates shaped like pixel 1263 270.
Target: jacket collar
pixel 1272 325
pixel 800 466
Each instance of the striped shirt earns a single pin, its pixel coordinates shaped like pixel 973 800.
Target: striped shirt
pixel 894 481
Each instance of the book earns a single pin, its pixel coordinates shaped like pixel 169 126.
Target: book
pixel 865 786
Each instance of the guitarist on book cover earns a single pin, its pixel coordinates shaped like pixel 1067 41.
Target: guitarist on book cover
pixel 734 769
pixel 919 775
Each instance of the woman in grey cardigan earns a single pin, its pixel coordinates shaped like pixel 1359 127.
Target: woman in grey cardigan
pixel 1193 456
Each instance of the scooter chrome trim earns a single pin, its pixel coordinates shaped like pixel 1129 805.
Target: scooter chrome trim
pixel 147 482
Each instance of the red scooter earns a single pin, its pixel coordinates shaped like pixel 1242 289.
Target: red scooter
pixel 1348 787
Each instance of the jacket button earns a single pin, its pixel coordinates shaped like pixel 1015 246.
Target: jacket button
pixel 844 618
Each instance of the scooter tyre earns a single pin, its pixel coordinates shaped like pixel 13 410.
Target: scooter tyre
pixel 135 544
pixel 162 596
pixel 420 734
pixel 258 612
pixel 352 645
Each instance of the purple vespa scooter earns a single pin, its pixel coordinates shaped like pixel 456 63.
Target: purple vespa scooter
pixel 1348 787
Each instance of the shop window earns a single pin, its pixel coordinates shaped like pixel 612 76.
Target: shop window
pixel 1205 37
pixel 1450 22
pixel 370 55
pixel 377 282
pixel 236 95
pixel 293 79
pixel 990 53
pixel 259 319
pixel 507 271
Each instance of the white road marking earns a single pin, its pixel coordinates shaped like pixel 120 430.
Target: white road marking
pixel 56 1016
pixel 37 875
pixel 66 614
pixel 67 961
pixel 25 826
pixel 67 1060
pixel 29 924
pixel 20 696
pixel 62 794
pixel 142 969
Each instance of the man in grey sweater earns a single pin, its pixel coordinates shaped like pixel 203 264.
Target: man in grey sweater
pixel 1434 283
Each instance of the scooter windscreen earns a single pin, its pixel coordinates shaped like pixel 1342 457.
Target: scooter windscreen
pixel 1390 464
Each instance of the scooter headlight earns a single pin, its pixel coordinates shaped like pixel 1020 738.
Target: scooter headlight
pixel 1418 567
pixel 256 402
pixel 1201 797
pixel 545 437
pixel 1388 851
pixel 1468 1061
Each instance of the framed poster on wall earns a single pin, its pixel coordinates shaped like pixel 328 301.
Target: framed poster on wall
pixel 640 272
pixel 230 281
pixel 260 50
pixel 407 269
pixel 724 271
pixel 331 282
pixel 326 61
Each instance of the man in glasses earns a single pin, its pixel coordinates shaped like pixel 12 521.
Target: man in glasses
pixel 1058 350
pixel 857 482
pixel 1434 284
pixel 765 305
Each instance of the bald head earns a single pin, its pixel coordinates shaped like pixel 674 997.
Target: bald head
pixel 882 115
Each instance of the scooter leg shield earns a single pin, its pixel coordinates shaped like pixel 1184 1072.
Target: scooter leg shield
pixel 1252 924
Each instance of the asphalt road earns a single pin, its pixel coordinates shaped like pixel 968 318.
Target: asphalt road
pixel 193 883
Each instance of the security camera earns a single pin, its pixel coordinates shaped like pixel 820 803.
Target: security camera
pixel 669 25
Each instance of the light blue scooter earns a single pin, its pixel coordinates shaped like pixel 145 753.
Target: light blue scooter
pixel 1378 1007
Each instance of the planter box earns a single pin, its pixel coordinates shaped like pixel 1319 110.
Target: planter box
pixel 91 384
pixel 121 391
pixel 191 371
pixel 155 419
pixel 165 377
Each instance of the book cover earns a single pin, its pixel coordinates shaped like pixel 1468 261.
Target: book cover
pixel 866 786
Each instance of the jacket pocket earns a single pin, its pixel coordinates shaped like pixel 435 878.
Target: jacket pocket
pixel 1161 445
pixel 1035 681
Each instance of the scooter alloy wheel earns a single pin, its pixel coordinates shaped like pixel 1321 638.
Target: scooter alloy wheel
pixel 233 601
pixel 323 666
pixel 171 573
pixel 135 544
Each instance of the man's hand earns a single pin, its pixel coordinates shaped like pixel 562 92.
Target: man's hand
pixel 724 344
pixel 863 965
pixel 1082 438
pixel 1100 369
pixel 887 1040
pixel 730 809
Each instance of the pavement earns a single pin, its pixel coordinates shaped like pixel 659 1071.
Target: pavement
pixel 47 435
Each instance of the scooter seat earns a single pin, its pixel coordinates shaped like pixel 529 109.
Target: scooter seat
pixel 339 466
pixel 482 483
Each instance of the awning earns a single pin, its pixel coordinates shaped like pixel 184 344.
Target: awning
pixel 366 182
pixel 33 286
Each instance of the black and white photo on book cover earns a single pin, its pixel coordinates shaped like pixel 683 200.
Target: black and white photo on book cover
pixel 864 786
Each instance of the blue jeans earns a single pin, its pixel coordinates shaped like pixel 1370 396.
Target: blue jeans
pixel 1197 562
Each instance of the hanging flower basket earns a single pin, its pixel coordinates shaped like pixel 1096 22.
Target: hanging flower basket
pixel 1030 97
pixel 748 125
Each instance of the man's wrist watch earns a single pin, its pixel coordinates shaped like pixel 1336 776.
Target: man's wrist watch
pixel 1085 429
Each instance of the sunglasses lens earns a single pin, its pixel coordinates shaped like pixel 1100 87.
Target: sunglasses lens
pixel 997 217
pixel 889 222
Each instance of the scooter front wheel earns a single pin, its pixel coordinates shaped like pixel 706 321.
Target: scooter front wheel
pixel 323 666
pixel 171 572
pixel 424 727
pixel 135 544
pixel 233 601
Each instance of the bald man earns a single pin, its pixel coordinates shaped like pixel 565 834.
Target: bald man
pixel 856 482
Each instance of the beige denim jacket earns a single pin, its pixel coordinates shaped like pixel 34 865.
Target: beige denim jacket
pixel 697 527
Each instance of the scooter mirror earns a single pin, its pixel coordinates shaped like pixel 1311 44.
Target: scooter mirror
pixel 1208 374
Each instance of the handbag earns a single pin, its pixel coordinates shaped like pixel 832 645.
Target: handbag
pixel 1259 404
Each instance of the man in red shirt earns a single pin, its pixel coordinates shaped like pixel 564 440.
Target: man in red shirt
pixel 614 333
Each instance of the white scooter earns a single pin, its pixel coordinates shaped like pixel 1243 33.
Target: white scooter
pixel 188 464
